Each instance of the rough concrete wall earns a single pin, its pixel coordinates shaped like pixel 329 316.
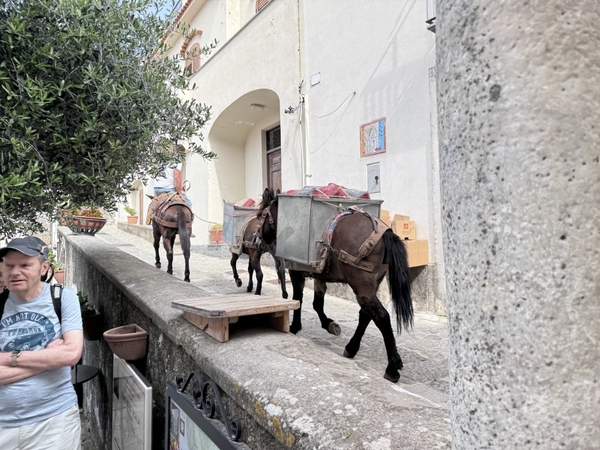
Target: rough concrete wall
pixel 519 109
pixel 165 359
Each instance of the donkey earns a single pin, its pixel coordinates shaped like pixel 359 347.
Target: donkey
pixel 254 248
pixel 364 273
pixel 171 216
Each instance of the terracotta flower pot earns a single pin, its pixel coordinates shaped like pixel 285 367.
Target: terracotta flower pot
pixel 87 225
pixel 59 276
pixel 128 342
pixel 216 236
pixel 132 219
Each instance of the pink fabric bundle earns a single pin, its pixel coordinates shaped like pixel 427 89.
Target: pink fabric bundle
pixel 331 190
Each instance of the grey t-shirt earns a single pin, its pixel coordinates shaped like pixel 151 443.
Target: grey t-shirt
pixel 30 326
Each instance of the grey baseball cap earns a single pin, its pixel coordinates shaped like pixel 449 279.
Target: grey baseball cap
pixel 30 246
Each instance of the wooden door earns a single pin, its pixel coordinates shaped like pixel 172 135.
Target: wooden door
pixel 274 169
pixel 274 158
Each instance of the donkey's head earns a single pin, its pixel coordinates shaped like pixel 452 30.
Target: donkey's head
pixel 267 216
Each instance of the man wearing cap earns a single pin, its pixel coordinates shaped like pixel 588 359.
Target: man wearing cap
pixel 38 405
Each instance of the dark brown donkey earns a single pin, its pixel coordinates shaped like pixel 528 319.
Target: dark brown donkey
pixel 171 216
pixel 347 238
pixel 252 246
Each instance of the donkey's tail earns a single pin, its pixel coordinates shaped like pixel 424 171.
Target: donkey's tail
pixel 398 279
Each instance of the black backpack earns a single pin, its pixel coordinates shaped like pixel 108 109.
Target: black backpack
pixel 55 291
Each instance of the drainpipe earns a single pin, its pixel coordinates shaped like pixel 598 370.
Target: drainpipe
pixel 303 120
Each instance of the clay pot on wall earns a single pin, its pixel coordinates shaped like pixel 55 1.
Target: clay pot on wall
pixel 86 225
pixel 59 276
pixel 216 236
pixel 128 342
pixel 132 220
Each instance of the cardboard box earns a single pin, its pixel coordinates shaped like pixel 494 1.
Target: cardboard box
pixel 404 228
pixel 384 216
pixel 418 252
pixel 400 217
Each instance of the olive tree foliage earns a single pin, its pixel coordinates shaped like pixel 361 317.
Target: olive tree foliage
pixel 88 104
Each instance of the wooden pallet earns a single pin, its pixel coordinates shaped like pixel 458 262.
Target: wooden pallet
pixel 214 314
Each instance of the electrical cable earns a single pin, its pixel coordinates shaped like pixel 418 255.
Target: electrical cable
pixel 325 115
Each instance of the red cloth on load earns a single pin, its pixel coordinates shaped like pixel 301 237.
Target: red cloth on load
pixel 245 203
pixel 331 190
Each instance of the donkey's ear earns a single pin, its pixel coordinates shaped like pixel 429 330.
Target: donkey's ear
pixel 266 194
pixel 278 192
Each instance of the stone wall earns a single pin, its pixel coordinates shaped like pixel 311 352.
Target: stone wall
pixel 124 290
pixel 519 112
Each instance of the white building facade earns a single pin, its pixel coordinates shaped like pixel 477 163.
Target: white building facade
pixel 311 92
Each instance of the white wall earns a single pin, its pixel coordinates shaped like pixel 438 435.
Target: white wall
pixel 382 51
pixel 262 57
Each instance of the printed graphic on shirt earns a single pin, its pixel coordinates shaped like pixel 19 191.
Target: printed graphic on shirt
pixel 161 174
pixel 25 331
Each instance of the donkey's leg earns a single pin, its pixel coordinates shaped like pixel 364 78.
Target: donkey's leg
pixel 352 347
pixel 156 234
pixel 280 273
pixel 298 291
pixel 381 317
pixel 233 262
pixel 364 319
pixel 255 261
pixel 318 304
pixel 185 246
pixel 168 241
pixel 250 274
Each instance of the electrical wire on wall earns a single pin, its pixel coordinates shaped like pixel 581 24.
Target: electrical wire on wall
pixel 328 114
pixel 353 93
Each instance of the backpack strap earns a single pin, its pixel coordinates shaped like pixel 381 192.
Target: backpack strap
pixel 56 292
pixel 3 298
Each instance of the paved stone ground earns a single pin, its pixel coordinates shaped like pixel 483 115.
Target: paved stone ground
pixel 424 350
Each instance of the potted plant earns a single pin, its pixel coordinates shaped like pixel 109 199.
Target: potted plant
pixel 58 272
pixel 91 319
pixel 133 217
pixel 216 233
pixel 86 220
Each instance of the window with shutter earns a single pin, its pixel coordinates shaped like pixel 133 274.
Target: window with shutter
pixel 188 67
pixel 194 56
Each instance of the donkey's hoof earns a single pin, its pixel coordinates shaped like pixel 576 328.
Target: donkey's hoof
pixel 157 265
pixel 392 377
pixel 238 282
pixel 334 329
pixel 249 288
pixel 284 295
pixel 349 351
pixel 294 329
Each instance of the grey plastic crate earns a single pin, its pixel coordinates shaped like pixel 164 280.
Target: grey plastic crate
pixel 234 218
pixel 301 221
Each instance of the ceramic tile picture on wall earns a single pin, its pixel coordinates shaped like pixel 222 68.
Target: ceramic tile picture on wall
pixel 372 137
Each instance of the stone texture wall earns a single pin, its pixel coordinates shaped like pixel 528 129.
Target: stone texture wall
pixel 124 290
pixel 519 109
